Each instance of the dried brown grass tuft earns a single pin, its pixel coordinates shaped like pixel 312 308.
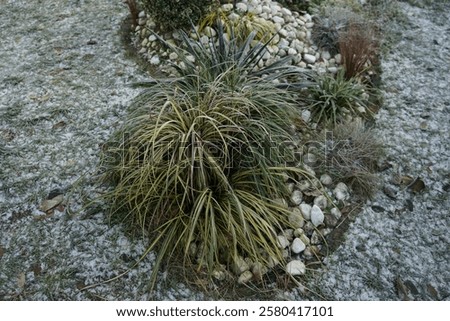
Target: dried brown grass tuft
pixel 358 47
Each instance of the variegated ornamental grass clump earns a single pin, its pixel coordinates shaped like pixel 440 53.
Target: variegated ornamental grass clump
pixel 202 157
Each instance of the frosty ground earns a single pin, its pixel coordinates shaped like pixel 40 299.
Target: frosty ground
pixel 64 88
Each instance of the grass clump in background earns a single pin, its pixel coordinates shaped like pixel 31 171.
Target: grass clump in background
pixel 200 161
pixel 358 48
pixel 333 99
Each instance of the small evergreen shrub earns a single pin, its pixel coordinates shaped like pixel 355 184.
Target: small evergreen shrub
pixel 171 15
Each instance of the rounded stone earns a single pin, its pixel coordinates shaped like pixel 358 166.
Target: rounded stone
pixel 309 58
pixel 306 211
pixel 292 51
pixel 298 246
pixel 297 197
pixel 316 238
pixel 317 216
pixel 241 7
pixel 245 277
pixel 341 192
pixel 277 19
pixel 155 60
pixel 326 179
pixel 282 241
pixel 321 201
pixel 336 213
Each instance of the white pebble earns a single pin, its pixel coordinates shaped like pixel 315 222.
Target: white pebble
pixel 326 179
pixel 321 201
pixel 317 216
pixel 341 192
pixel 282 241
pixel 296 267
pixel 309 58
pixel 306 211
pixel 241 7
pixel 298 246
pixel 155 60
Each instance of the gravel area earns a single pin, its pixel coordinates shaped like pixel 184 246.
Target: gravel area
pixel 64 80
pixel 398 247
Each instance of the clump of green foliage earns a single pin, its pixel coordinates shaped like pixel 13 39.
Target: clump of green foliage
pixel 333 97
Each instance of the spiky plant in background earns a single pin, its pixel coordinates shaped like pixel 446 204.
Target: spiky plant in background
pixel 231 58
pixel 329 24
pixel 333 98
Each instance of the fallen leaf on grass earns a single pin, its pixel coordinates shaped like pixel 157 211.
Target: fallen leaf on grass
pixel 60 124
pixel 36 269
pixel 50 204
pixel 406 180
pixel 402 290
pixel 80 285
pixel 432 291
pixel 417 186
pixel 2 251
pixel 41 99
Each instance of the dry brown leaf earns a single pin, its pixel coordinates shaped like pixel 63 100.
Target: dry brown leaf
pixel 402 290
pixel 417 186
pixel 432 291
pixel 406 180
pixel 2 251
pixel 60 124
pixel 50 204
